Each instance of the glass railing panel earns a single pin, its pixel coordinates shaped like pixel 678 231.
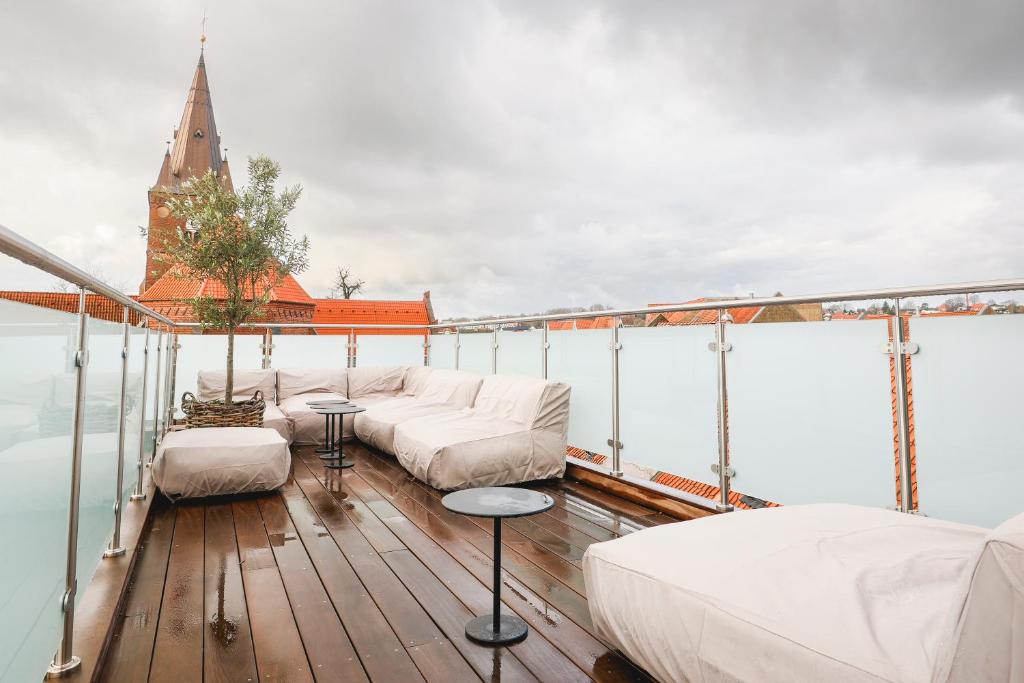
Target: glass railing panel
pixel 966 382
pixel 520 352
pixel 133 407
pixel 582 358
pixel 475 352
pixel 389 349
pixel 668 405
pixel 310 351
pixel 442 351
pixel 209 352
pixel 810 412
pixel 99 444
pixel 38 346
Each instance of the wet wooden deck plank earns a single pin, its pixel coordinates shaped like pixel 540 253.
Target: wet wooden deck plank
pixel 329 644
pixel 178 651
pixel 228 653
pixel 440 661
pixel 131 648
pixel 279 651
pixel 315 520
pixel 583 648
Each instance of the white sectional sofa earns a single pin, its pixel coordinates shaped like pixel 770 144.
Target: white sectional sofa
pixel 450 429
pixel 210 387
pixel 515 431
pixel 814 593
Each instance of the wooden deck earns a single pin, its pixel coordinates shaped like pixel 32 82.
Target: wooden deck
pixel 360 575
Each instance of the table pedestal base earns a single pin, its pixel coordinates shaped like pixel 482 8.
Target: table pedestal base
pixel 341 464
pixel 511 630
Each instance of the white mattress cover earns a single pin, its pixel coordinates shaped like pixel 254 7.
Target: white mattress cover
pixel 195 463
pixel 211 383
pixel 295 381
pixel 797 593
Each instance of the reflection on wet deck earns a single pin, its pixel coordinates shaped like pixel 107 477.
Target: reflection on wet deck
pixel 361 574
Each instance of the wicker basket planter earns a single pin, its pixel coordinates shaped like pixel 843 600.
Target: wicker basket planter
pixel 216 414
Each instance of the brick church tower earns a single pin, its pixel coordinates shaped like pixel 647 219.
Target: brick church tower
pixel 195 151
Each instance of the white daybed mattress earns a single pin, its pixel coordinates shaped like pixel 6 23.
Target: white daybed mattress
pixel 797 593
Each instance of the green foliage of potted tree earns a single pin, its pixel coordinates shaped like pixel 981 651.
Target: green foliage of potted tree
pixel 242 241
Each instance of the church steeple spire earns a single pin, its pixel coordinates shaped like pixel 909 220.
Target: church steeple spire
pixel 196 147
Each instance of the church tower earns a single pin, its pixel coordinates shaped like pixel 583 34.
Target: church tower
pixel 196 149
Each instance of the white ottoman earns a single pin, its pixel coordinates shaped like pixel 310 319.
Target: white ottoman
pixel 214 461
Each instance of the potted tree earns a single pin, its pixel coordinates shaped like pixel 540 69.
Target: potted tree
pixel 242 241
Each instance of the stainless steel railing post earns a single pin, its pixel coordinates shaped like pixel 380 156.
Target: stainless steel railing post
pixel 458 345
pixel 115 549
pixel 64 661
pixel 724 470
pixel 426 349
pixel 268 344
pixel 545 345
pixel 157 371
pixel 351 348
pixel 614 442
pixel 494 350
pixel 900 350
pixel 139 495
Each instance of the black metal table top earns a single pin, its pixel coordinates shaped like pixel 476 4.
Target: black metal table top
pixel 337 409
pixel 498 501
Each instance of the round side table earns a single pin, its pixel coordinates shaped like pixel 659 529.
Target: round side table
pixel 497 502
pixel 335 459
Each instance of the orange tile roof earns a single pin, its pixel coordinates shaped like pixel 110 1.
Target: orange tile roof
pixel 95 305
pixel 740 314
pixel 370 312
pixel 598 323
pixel 172 286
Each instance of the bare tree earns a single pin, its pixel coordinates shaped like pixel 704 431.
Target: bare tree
pixel 346 284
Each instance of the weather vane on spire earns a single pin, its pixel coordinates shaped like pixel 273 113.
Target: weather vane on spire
pixel 202 36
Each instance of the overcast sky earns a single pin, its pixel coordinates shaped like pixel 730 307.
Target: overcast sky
pixel 517 156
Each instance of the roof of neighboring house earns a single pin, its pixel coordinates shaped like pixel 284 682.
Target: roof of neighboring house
pixel 599 323
pixel 172 286
pixel 95 305
pixel 740 314
pixel 371 312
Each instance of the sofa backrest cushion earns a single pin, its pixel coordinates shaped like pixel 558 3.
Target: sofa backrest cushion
pixel 375 379
pixel 416 380
pixel 533 402
pixel 292 381
pixel 211 384
pixel 991 615
pixel 457 389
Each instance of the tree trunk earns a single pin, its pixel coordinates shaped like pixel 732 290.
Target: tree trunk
pixel 229 377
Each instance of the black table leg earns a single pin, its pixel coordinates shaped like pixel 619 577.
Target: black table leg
pixel 327 452
pixel 338 462
pixel 497 628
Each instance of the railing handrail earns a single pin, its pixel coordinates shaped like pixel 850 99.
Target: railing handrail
pixel 27 251
pixel 977 287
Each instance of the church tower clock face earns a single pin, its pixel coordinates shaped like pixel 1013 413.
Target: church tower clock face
pixel 163 212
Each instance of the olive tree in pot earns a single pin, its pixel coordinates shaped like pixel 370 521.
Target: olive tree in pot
pixel 240 240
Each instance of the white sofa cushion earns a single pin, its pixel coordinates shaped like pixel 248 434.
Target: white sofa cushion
pixel 295 381
pixel 444 391
pixel 211 385
pixel 194 463
pixel 797 593
pixel 307 426
pixel 375 381
pixel 515 432
pixel 416 379
pixel 274 419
